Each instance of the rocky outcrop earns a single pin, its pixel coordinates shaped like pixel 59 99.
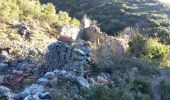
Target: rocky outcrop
pixel 86 22
pixel 5 93
pixel 4 54
pixel 24 31
pixel 68 31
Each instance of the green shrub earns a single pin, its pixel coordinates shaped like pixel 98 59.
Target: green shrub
pixel 165 89
pixel 57 94
pixel 141 96
pixel 130 95
pixel 137 45
pixel 145 66
pixel 21 10
pixel 156 50
pixel 127 95
pixel 141 85
pixel 9 11
pixel 48 14
pixel 101 93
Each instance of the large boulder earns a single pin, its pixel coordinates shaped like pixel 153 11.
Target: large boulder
pixel 5 93
pixel 3 66
pixel 68 31
pixel 4 54
pixel 33 92
pixel 24 31
pixel 83 82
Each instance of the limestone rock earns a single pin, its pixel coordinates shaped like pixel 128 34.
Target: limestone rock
pixel 3 66
pixel 46 96
pixel 68 31
pixel 82 45
pixel 49 75
pixel 34 88
pixel 83 82
pixel 6 92
pixel 4 55
pixel 42 81
pixel 86 22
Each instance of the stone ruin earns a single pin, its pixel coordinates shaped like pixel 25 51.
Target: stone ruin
pixel 114 46
pixel 91 32
pixel 68 57
pixel 109 45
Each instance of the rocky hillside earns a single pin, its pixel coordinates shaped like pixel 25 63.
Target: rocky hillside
pixel 46 55
pixel 149 17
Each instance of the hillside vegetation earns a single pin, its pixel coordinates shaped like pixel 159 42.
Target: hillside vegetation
pixel 149 17
pixel 84 50
pixel 40 21
pixel 22 10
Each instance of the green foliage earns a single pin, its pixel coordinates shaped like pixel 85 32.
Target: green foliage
pixel 100 93
pixel 149 17
pixel 156 50
pixel 48 14
pixel 140 90
pixel 57 95
pixel 140 96
pixel 137 45
pixel 127 95
pixel 141 85
pixel 109 63
pixel 141 46
pixel 19 10
pixel 165 89
pixel 163 33
pixel 130 95
pixel 145 66
pixel 8 11
pixel 75 22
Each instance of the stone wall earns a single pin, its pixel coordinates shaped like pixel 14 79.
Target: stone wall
pixel 114 46
pixel 68 57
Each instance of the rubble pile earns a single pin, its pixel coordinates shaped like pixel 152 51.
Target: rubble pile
pixel 67 66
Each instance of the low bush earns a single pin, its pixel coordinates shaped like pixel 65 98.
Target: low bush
pixel 165 89
pixel 100 93
pixel 130 95
pixel 156 50
pixel 141 85
pixel 127 95
pixel 137 45
pixel 144 66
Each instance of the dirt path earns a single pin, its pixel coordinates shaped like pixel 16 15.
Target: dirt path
pixel 155 80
